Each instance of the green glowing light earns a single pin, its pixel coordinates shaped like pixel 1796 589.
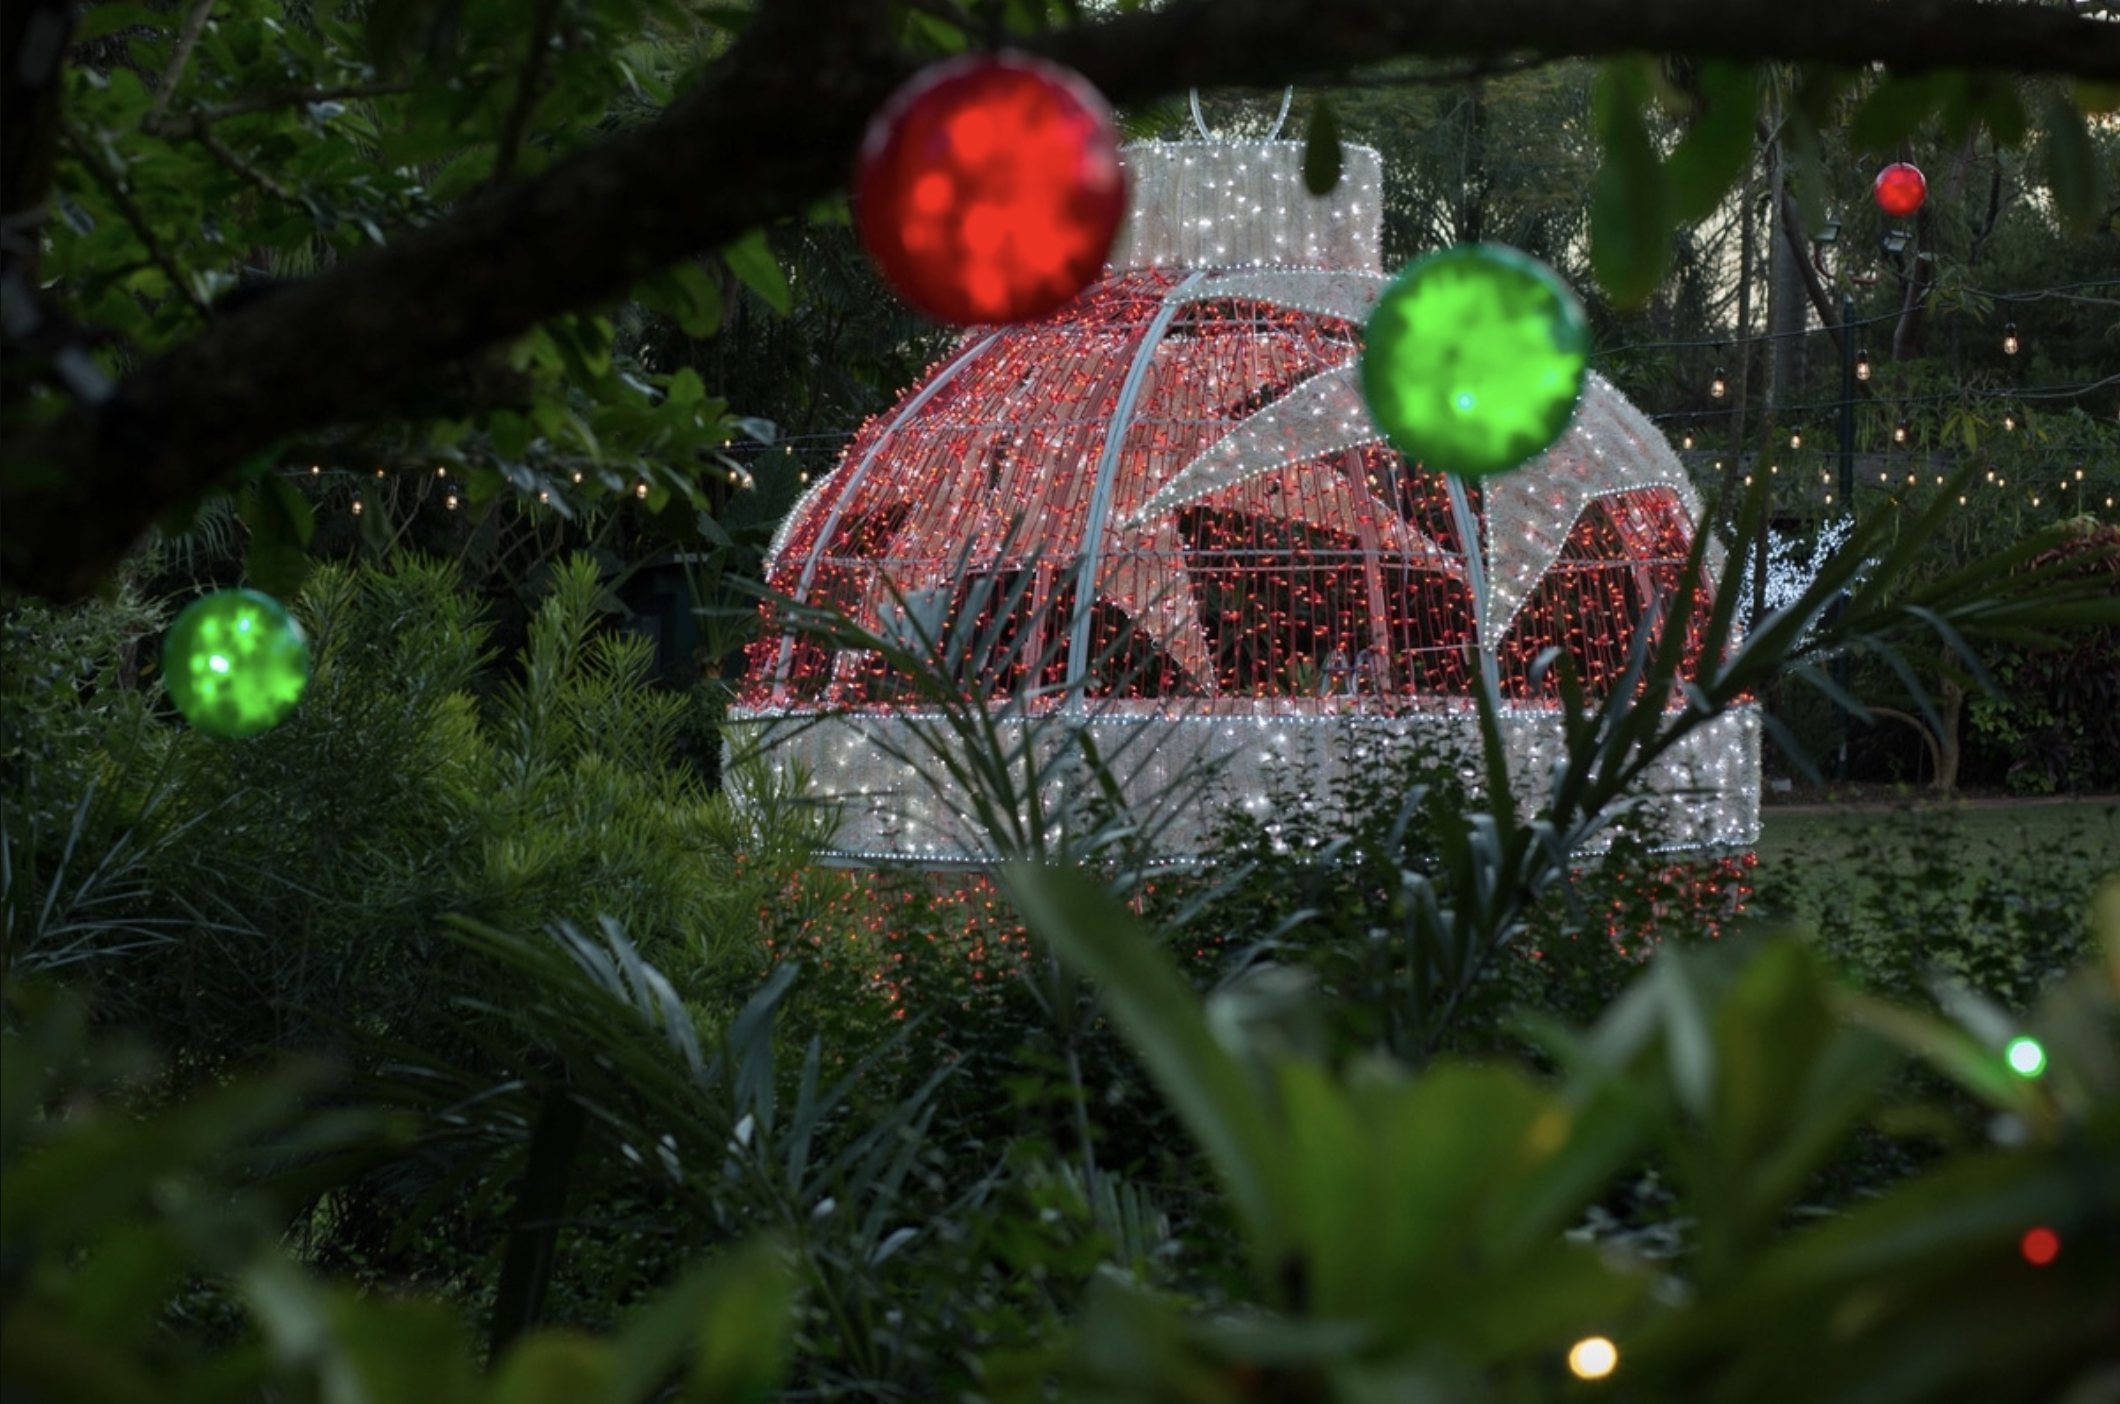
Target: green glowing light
pixel 1474 359
pixel 2026 1057
pixel 235 663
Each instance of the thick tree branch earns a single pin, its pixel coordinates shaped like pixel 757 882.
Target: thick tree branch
pixel 770 131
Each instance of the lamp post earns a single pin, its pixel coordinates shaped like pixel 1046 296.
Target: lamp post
pixel 1846 493
pixel 1826 238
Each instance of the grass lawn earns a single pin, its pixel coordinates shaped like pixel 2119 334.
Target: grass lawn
pixel 1827 851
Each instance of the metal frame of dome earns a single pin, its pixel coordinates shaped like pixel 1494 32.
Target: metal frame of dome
pixel 1224 242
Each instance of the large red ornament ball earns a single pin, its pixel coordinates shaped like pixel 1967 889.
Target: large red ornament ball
pixel 989 188
pixel 1900 189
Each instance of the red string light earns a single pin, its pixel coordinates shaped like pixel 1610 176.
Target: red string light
pixel 2040 1246
pixel 1342 575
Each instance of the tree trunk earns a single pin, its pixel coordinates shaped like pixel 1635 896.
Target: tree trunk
pixel 1788 309
pixel 1951 707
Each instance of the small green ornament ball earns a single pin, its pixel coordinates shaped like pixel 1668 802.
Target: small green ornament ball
pixel 1474 359
pixel 235 663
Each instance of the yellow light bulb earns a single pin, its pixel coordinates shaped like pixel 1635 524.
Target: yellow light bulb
pixel 1593 1358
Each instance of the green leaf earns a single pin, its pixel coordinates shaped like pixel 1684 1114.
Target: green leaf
pixel 2100 98
pixel 281 524
pixel 552 1367
pixel 393 1349
pixel 1321 150
pixel 1805 162
pixel 2072 165
pixel 685 293
pixel 752 261
pixel 109 19
pixel 1714 153
pixel 685 388
pixel 1159 1014
pixel 1630 206
pixel 2000 109
pixel 511 433
pixel 744 1309
pixel 584 344
pixel 1689 1042
pixel 1892 112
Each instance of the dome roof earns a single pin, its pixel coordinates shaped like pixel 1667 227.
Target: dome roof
pixel 1165 511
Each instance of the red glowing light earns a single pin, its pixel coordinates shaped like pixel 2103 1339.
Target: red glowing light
pixel 989 189
pixel 2040 1246
pixel 1900 189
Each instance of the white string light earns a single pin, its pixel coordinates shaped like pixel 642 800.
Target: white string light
pixel 1210 379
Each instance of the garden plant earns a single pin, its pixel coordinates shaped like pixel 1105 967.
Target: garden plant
pixel 483 1034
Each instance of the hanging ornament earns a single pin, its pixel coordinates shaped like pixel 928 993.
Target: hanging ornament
pixel 1474 359
pixel 988 188
pixel 1900 189
pixel 235 663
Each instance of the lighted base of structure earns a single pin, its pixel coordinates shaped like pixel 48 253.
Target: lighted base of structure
pixel 1179 771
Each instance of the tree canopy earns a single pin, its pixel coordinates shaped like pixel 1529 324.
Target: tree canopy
pixel 241 229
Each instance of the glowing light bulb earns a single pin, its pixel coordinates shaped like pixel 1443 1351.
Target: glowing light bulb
pixel 1862 365
pixel 357 506
pixel 1474 359
pixel 640 490
pixel 1796 439
pixel 235 663
pixel 1686 442
pixel 2040 1246
pixel 2009 338
pixel 989 188
pixel 1899 432
pixel 2009 424
pixel 1900 189
pixel 1593 1358
pixel 2026 1057
pixel 1720 385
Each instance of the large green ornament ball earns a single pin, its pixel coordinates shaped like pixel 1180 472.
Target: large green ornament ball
pixel 235 663
pixel 1474 359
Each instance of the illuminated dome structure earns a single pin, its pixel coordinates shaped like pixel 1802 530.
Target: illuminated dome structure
pixel 1164 517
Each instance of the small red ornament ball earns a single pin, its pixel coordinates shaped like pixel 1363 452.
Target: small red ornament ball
pixel 989 188
pixel 1900 189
